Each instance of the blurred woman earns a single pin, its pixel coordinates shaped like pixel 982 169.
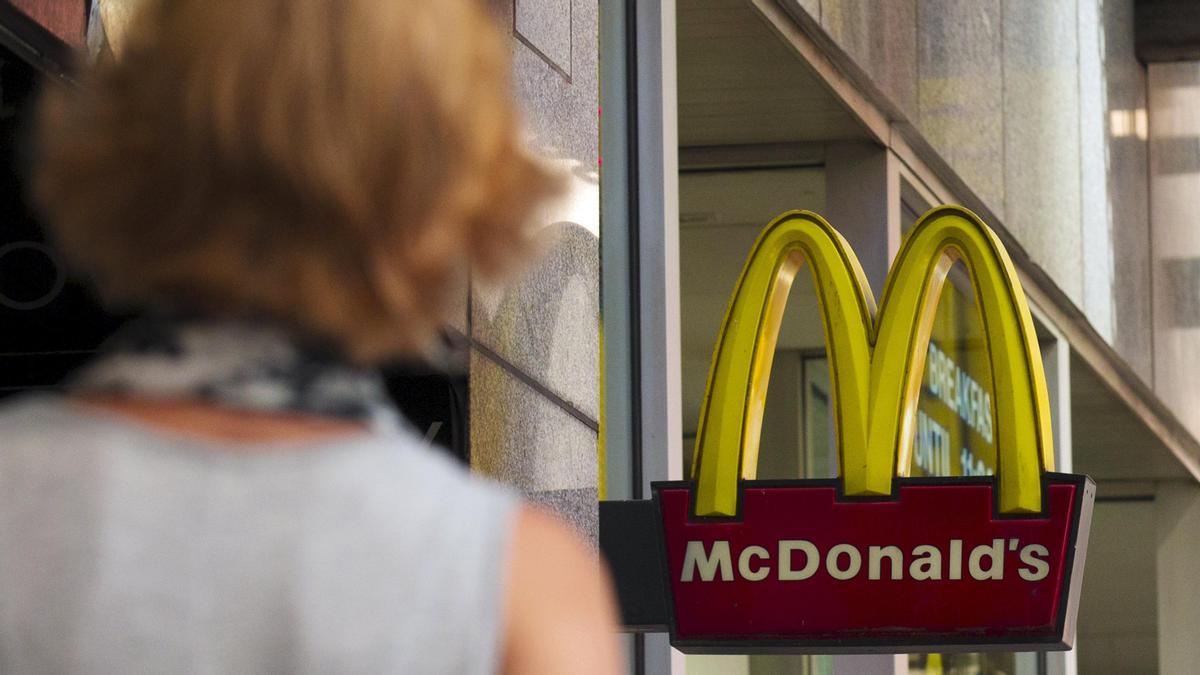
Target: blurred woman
pixel 290 192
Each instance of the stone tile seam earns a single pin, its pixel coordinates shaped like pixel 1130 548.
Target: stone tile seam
pixel 565 72
pixel 541 55
pixel 529 381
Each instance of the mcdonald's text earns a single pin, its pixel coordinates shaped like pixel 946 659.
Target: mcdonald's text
pixel 800 559
pixel 933 564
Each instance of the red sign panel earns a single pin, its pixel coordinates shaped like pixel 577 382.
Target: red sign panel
pixel 934 566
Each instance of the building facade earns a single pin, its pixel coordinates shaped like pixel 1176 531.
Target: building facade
pixel 1070 126
pixel 1067 126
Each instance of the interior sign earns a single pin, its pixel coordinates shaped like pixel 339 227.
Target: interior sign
pixel 875 560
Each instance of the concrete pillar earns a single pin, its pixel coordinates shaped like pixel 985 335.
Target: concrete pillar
pixel 862 200
pixel 1177 525
pixel 1174 97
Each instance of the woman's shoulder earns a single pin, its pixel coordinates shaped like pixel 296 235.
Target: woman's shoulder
pixel 36 421
pixel 382 467
pixel 404 466
pixel 28 411
pixel 383 491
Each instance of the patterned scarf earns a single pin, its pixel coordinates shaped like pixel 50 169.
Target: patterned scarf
pixel 237 364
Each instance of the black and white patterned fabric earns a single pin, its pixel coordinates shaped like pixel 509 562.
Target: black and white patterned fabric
pixel 238 364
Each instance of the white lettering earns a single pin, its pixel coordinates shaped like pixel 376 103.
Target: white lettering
pixel 875 556
pixel 932 452
pixel 927 567
pixel 831 562
pixel 987 417
pixel 1038 568
pixel 955 559
pixel 800 559
pixel 708 563
pixel 812 558
pixel 747 556
pixel 995 554
pixel 946 380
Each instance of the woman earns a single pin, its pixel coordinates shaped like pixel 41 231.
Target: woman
pixel 291 191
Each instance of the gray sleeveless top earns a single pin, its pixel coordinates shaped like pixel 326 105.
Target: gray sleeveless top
pixel 126 549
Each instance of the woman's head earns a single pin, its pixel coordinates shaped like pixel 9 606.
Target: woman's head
pixel 334 164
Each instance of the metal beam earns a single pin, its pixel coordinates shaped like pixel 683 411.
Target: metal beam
pixel 1166 30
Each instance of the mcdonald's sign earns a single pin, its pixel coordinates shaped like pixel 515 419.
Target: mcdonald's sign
pixel 874 561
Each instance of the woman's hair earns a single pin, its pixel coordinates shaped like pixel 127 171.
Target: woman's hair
pixel 334 164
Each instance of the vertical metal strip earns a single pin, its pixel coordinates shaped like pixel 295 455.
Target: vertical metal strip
pixel 633 226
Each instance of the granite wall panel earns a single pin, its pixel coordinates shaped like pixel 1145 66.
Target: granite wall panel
pixel 960 91
pixel 1128 197
pixel 535 371
pixel 547 323
pixel 881 37
pixel 1174 150
pixel 545 27
pixel 525 440
pixel 1041 137
pixel 1095 209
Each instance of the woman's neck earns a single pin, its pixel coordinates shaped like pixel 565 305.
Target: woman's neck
pixel 231 378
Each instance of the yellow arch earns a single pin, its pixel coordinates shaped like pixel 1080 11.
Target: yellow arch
pixel 1024 443
pixel 872 447
pixel 731 414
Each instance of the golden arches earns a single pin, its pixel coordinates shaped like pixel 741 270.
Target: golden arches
pixel 731 415
pixel 875 394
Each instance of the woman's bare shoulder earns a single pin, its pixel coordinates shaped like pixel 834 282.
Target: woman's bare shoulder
pixel 560 614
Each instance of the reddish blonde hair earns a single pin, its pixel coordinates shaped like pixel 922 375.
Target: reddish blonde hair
pixel 334 164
